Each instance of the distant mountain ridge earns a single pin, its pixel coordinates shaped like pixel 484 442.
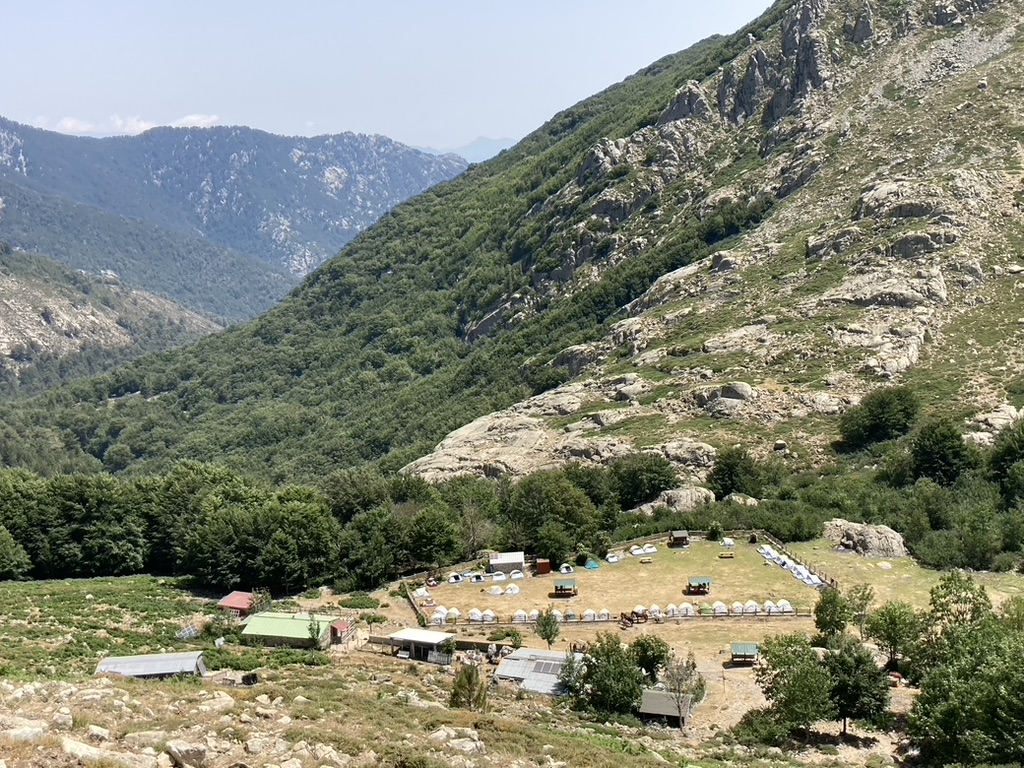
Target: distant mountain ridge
pixel 477 151
pixel 291 203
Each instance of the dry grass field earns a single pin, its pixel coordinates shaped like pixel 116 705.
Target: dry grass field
pixel 621 586
pixel 895 578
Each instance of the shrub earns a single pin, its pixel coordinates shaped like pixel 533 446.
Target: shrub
pixel 359 601
pixel 760 727
pixel 735 471
pixel 884 414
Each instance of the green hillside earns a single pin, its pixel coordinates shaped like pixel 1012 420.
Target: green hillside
pixel 371 360
pixel 201 275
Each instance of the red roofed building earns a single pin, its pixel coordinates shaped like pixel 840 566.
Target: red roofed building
pixel 238 604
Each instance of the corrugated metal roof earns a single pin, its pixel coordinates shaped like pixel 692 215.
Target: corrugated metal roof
pixel 699 581
pixel 663 703
pixel 507 558
pixel 565 584
pixel 294 626
pixel 153 665
pixel 535 671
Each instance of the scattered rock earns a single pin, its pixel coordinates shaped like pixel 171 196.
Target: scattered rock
pixel 187 754
pixel 96 733
pixel 91 754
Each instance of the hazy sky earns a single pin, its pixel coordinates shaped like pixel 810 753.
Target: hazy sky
pixel 435 74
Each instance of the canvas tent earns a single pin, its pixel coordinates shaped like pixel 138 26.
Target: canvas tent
pixel 475 615
pixel 720 608
pixel 737 609
pixel 604 614
pixel 751 607
pixel 590 615
pixel 516 575
pixel 154 666
pixel 784 606
pixel 671 610
pixel 519 617
pixel 687 609
pixel 498 576
pixel 770 608
pixel 512 589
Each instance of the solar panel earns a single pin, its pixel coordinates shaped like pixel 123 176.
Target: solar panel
pixel 189 633
pixel 547 667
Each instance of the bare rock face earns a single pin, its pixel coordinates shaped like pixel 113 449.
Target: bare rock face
pixel 689 101
pixel 684 499
pixel 868 540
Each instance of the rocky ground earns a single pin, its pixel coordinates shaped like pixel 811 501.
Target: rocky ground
pixel 892 253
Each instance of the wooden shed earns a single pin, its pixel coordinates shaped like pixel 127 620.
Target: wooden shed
pixel 679 539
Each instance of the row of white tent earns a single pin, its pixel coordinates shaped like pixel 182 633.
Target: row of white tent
pixel 480 578
pixel 800 572
pixel 718 608
pixel 442 615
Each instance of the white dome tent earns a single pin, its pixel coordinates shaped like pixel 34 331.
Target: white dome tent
pixel 498 576
pixel 784 607
pixel 489 616
pixel 770 608
pixel 454 614
pixel 719 608
pixel 671 610
pixel 604 614
pixel 590 615
pixel 512 589
pixel 737 608
pixel 687 609
pixel 650 549
pixel 516 575
pixel 496 591
pixel 654 610
pixel 519 617
pixel 534 615
pixel 751 608
pixel 558 616
pixel 475 615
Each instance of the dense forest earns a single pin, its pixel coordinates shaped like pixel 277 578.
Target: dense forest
pixel 956 507
pixel 216 281
pixel 374 358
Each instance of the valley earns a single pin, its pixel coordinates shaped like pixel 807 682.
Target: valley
pixel 758 300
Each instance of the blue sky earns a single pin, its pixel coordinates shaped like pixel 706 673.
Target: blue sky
pixel 426 73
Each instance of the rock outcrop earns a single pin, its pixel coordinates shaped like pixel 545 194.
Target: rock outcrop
pixel 879 541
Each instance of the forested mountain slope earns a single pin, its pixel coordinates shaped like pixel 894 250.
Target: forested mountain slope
pixel 288 203
pixel 733 243
pixel 56 323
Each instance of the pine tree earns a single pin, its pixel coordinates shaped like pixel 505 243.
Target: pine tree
pixel 469 690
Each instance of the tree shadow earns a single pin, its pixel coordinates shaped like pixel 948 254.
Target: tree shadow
pixel 818 739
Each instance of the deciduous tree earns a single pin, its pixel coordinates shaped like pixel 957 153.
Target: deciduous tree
pixel 795 681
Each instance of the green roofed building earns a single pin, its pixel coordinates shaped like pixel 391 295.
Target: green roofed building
pixel 699 585
pixel 745 653
pixel 297 630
